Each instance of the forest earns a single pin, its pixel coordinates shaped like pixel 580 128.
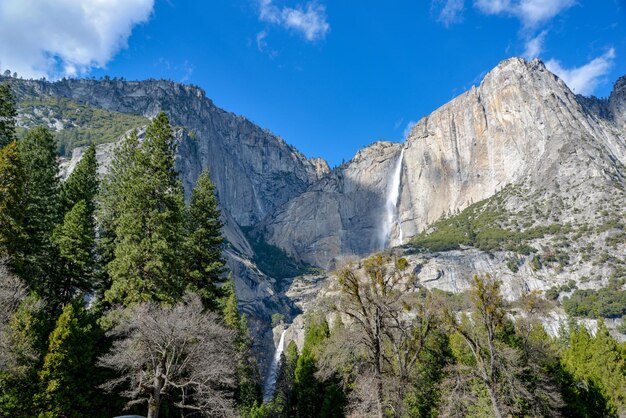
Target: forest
pixel 115 299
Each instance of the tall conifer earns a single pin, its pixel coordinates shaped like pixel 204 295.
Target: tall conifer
pixel 147 222
pixel 75 240
pixel 82 184
pixel 8 113
pixel 41 205
pixel 205 266
pixel 12 181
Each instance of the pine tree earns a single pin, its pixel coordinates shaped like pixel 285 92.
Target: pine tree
pixel 309 391
pixel 75 236
pixel 82 184
pixel 147 222
pixel 12 180
pixel 205 266
pixel 8 113
pixel 41 209
pixel 599 365
pixel 249 389
pixel 121 171
pixel 75 239
pixel 25 340
pixel 65 381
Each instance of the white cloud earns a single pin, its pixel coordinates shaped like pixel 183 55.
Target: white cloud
pixel 451 12
pixel 534 46
pixel 309 21
pixel 493 7
pixel 584 79
pixel 409 128
pixel 65 37
pixel 531 12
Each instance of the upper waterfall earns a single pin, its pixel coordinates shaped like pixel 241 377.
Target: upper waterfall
pixel 392 219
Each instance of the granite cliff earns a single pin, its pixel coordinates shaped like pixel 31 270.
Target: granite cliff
pixel 522 124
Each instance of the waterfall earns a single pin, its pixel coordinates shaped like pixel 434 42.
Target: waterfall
pixel 270 381
pixel 391 206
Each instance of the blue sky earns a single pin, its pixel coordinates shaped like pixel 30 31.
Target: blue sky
pixel 329 76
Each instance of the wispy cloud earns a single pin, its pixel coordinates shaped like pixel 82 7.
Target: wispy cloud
pixel 532 13
pixel 261 42
pixel 449 11
pixel 534 46
pixel 65 38
pixel 409 127
pixel 309 20
pixel 584 79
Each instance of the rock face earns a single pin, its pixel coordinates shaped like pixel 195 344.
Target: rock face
pixel 342 214
pixel 254 171
pixel 521 123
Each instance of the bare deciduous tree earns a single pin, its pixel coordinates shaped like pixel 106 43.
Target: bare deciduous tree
pixel 12 292
pixel 501 359
pixel 389 324
pixel 179 352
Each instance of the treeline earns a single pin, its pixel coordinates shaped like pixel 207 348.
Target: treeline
pixel 114 295
pixel 394 349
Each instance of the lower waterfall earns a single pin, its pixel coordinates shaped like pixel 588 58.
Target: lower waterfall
pixel 270 381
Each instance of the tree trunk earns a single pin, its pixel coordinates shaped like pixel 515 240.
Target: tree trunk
pixel 154 403
pixel 494 402
pixel 379 394
pixel 378 367
pixel 153 408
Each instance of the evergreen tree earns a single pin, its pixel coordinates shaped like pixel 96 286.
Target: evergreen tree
pixel 599 365
pixel 309 391
pixel 147 222
pixel 12 180
pixel 286 378
pixel 205 266
pixel 65 380
pixel 249 389
pixel 25 340
pixel 82 184
pixel 75 239
pixel 8 113
pixel 41 209
pixel 75 236
pixel 121 171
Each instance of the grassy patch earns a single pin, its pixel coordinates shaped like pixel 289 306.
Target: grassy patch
pixel 82 124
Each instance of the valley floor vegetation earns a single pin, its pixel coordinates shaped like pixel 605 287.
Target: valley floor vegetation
pixel 390 348
pixel 115 299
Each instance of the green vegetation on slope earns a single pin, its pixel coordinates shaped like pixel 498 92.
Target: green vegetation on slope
pixel 82 124
pixel 591 303
pixel 483 225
